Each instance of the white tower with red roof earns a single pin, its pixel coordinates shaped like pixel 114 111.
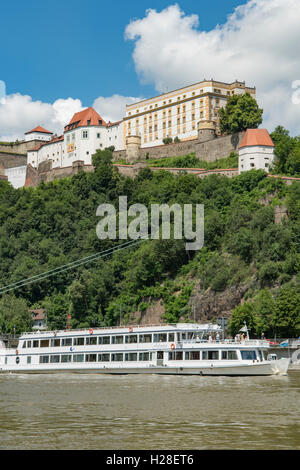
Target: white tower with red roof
pixel 256 151
pixel 38 133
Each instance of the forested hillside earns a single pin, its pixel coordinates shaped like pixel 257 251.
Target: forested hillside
pixel 48 226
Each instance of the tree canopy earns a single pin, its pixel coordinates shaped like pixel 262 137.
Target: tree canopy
pixel 240 113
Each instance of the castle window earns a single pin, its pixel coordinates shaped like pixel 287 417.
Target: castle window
pixel 85 134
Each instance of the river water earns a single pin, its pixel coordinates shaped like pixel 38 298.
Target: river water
pixel 149 412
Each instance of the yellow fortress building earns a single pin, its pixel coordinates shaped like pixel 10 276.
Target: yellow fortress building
pixel 177 113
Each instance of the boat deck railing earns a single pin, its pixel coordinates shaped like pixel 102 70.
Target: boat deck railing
pixel 247 342
pixel 210 327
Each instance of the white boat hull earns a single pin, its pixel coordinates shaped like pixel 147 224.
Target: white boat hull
pixel 263 368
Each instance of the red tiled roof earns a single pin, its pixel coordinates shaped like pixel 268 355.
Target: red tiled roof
pixel 39 129
pixel 256 137
pixel 39 314
pixel 42 144
pixel 87 117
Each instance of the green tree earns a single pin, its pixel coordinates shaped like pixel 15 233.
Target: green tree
pixel 14 315
pixel 284 144
pixel 287 312
pixel 240 113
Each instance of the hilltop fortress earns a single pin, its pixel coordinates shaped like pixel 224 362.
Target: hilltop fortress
pixel 189 115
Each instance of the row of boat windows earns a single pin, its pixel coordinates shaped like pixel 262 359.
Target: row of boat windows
pixel 118 339
pixel 117 357
pixel 146 356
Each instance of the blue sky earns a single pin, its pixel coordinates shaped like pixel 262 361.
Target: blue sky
pixel 56 49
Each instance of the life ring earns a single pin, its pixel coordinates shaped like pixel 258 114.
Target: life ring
pixel 131 329
pixel 91 331
pixel 173 346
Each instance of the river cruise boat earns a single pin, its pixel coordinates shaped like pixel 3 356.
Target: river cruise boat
pixel 182 349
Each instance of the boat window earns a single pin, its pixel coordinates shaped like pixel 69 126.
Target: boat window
pixel 175 356
pixel 192 356
pixel 28 359
pixel 132 357
pixel 248 355
pixel 44 359
pixel 91 341
pixel 91 357
pixel 44 343
pixel 171 337
pixel 66 358
pixel 17 360
pixel 129 339
pixel 104 340
pixel 118 357
pixel 78 341
pixel 66 342
pixel 103 357
pixel 229 355
pixel 144 356
pixel 35 343
pixel 24 345
pixel 117 339
pixel 260 355
pixel 190 335
pixel 145 338
pixel 162 338
pixel 54 359
pixel 210 355
pixel 55 343
pixel 78 358
pixel 28 344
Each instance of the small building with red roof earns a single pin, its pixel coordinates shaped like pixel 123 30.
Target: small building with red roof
pixel 38 133
pixel 256 151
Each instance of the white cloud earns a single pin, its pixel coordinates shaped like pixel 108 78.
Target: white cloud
pixel 113 108
pixel 19 113
pixel 259 43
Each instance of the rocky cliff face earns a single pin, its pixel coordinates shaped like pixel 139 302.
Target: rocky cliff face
pixel 205 305
pixel 208 305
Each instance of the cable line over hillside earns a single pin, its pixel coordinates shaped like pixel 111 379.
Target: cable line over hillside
pixel 68 266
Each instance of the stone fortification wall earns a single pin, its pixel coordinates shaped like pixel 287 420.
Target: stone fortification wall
pixel 12 160
pixel 210 150
pixel 19 147
pixel 46 173
pixel 220 147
